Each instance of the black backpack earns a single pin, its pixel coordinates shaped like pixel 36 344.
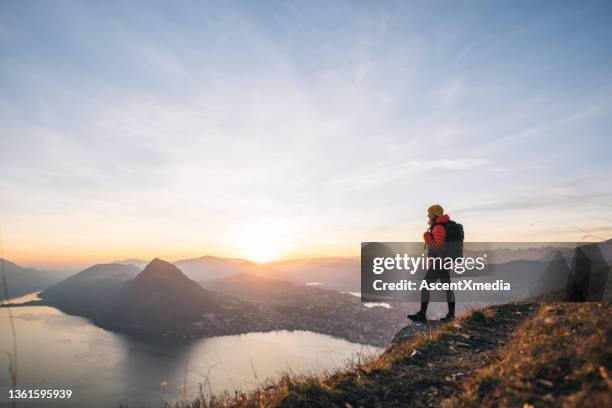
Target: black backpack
pixel 454 239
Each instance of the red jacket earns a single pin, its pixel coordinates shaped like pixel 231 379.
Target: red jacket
pixel 437 236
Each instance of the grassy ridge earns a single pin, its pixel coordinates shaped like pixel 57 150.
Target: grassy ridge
pixel 560 357
pixel 520 354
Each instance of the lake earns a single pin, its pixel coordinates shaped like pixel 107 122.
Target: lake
pixel 105 369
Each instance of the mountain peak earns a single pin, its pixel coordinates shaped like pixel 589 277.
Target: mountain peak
pixel 163 297
pixel 160 268
pixel 158 261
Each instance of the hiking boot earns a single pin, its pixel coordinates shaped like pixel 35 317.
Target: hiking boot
pixel 418 317
pixel 448 318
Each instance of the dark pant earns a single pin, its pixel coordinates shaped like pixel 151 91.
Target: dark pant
pixel 433 275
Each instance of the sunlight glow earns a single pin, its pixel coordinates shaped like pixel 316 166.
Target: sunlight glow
pixel 261 241
pixel 261 251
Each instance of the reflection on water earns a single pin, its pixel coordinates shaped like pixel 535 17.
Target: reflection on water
pixel 21 299
pixel 105 369
pixel 370 304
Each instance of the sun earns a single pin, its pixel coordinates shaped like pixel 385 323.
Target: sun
pixel 261 242
pixel 261 251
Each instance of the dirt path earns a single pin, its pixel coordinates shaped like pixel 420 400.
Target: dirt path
pixel 439 371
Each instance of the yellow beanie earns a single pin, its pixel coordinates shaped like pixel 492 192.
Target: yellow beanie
pixel 435 209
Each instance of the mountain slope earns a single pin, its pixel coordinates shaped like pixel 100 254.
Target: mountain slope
pixel 161 297
pixel 91 292
pixel 560 357
pixel 259 289
pixel 341 274
pixel 209 267
pixel 248 286
pixel 299 307
pixel 141 263
pixel 20 280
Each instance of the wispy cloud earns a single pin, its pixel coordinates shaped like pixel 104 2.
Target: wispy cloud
pixel 179 130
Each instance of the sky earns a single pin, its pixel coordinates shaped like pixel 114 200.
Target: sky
pixel 272 130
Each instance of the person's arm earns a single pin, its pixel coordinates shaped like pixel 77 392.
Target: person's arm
pixel 437 236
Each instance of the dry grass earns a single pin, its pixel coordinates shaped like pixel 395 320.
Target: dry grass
pixel 561 357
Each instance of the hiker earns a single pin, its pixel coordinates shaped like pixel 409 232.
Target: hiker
pixel 436 238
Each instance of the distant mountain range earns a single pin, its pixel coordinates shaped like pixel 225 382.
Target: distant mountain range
pixel 210 296
pixel 209 267
pixel 140 263
pixel 343 274
pixel 21 281
pixel 163 302
pixel 252 287
pixel 336 273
